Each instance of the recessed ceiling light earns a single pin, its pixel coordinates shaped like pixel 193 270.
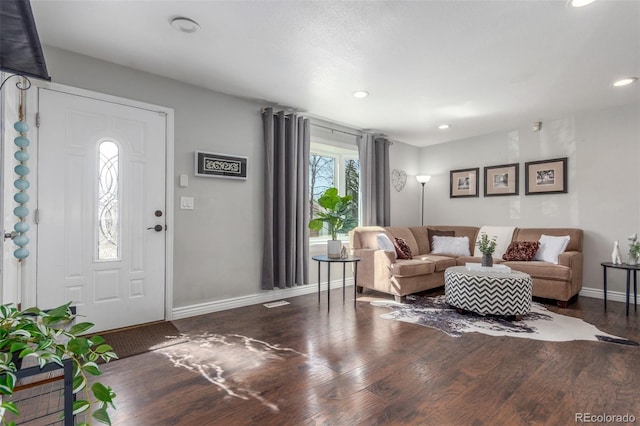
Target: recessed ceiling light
pixel 185 25
pixel 360 94
pixel 580 3
pixel 444 126
pixel 625 81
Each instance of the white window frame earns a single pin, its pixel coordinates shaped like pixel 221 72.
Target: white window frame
pixel 340 153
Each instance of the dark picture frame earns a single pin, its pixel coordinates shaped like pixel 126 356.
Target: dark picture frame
pixel 502 180
pixel 464 183
pixel 546 177
pixel 213 164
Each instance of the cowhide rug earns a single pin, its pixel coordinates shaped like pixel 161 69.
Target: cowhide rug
pixel 539 324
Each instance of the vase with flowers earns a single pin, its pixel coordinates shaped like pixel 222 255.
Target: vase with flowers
pixel 486 246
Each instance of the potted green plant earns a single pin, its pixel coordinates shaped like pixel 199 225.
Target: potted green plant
pixel 337 212
pixel 634 253
pixel 50 337
pixel 487 247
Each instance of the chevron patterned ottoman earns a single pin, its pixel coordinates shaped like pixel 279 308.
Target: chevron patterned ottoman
pixel 486 292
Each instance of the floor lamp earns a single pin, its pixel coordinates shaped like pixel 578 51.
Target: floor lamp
pixel 422 179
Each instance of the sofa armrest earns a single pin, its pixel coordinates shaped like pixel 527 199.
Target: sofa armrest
pixel 573 260
pixel 570 259
pixel 373 268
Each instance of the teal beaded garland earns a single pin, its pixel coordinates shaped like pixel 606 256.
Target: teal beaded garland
pixel 21 240
pixel 21 253
pixel 21 184
pixel 21 141
pixel 21 156
pixel 21 126
pixel 21 170
pixel 21 198
pixel 21 211
pixel 21 227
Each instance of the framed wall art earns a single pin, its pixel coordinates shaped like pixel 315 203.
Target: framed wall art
pixel 501 180
pixel 212 164
pixel 546 177
pixel 464 183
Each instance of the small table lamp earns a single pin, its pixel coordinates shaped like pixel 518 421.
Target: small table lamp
pixel 422 179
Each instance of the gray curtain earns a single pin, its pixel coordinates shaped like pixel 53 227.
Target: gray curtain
pixel 375 180
pixel 286 193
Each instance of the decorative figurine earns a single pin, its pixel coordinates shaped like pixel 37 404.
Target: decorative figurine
pixel 616 257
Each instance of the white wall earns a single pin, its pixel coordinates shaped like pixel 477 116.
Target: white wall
pixel 603 150
pixel 405 205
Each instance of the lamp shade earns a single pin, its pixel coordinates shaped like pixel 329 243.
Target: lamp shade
pixel 423 178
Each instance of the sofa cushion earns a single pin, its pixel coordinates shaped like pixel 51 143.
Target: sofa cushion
pixel 551 247
pixel 435 232
pixel 454 246
pixel 404 233
pixel 521 250
pixel 385 243
pixel 542 270
pixel 411 268
pixel 503 236
pixel 402 249
pixel 441 262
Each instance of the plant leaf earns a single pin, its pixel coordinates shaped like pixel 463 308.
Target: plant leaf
pixel 11 406
pixel 102 416
pixel 78 346
pixel 80 328
pixel 92 368
pixel 103 348
pixel 79 383
pixel 96 340
pixel 102 393
pixel 80 406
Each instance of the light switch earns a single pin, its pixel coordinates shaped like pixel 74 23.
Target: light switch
pixel 186 203
pixel 184 181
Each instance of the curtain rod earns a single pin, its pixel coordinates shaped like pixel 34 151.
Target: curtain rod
pixel 263 110
pixel 336 130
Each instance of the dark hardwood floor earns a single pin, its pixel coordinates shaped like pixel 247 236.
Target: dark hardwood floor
pixel 298 364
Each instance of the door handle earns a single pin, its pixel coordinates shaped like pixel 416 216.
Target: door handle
pixel 157 228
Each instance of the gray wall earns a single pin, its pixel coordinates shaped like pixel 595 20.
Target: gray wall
pixel 405 204
pixel 603 148
pixel 218 246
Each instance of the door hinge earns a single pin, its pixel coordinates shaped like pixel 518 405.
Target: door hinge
pixel 36 216
pixel 37 119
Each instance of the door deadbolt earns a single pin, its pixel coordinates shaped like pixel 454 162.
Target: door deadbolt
pixel 158 213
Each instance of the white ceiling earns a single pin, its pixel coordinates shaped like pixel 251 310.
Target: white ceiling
pixel 481 66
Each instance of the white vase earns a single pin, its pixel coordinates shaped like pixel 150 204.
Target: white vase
pixel 334 249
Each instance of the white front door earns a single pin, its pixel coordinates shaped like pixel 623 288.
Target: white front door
pixel 101 192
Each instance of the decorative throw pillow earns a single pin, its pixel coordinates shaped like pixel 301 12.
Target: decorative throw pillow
pixel 402 249
pixel 454 246
pixel 434 232
pixel 521 250
pixel 384 243
pixel 551 247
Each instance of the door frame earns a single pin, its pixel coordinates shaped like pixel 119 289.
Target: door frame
pixel 29 275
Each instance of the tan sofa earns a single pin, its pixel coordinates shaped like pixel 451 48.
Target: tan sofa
pixel 379 270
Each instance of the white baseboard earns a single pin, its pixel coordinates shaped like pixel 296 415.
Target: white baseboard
pixel 253 299
pixel 598 293
pixel 271 295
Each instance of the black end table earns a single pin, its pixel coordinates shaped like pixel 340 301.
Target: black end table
pixel 344 260
pixel 629 269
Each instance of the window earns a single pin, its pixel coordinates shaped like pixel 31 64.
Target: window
pixel 332 166
pixel 108 227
